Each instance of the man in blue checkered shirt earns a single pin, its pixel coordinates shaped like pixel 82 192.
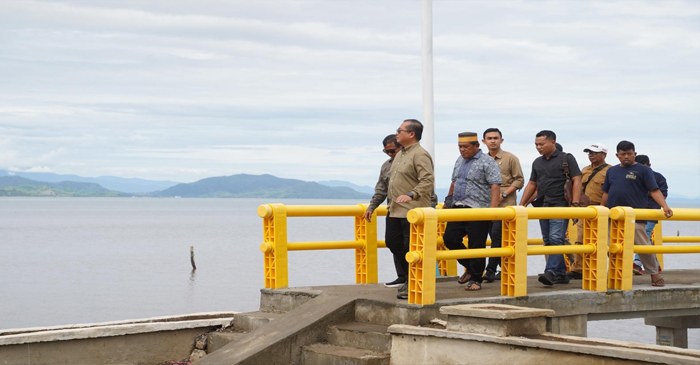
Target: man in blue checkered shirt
pixel 476 181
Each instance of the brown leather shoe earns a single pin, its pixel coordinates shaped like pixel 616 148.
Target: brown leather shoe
pixel 464 278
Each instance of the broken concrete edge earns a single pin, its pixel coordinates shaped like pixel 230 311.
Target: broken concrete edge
pixel 110 331
pixel 304 291
pixel 596 347
pixel 495 311
pixel 280 341
pixel 161 319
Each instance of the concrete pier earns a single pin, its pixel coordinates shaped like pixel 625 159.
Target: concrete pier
pixel 673 331
pixel 327 324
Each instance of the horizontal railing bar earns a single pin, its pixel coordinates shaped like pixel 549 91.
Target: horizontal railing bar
pixel 561 213
pixel 329 245
pixel 553 250
pixel 481 214
pixel 381 210
pixel 680 239
pixel 324 210
pixel 666 249
pixel 474 253
pixel 679 214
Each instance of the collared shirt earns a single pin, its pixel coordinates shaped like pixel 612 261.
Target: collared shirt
pixel 511 175
pixel 549 176
pixel 380 190
pixel 473 179
pixel 411 172
pixel 594 188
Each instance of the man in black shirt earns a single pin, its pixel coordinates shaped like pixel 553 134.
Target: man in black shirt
pixel 549 174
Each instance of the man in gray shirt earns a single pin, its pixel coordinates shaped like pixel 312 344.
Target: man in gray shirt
pixel 391 148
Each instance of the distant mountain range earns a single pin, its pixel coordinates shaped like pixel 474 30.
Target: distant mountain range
pixel 19 186
pixel 258 186
pixel 234 186
pixel 125 185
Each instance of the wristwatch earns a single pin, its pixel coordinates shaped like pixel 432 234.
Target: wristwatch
pixel 504 195
pixel 410 195
pixel 575 204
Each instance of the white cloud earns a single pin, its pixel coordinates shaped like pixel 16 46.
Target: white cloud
pixel 183 90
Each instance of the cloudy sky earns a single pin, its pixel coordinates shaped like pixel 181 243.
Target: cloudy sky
pixel 182 90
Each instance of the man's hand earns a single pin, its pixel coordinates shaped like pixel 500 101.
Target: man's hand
pixel 404 199
pixel 368 215
pixel 668 212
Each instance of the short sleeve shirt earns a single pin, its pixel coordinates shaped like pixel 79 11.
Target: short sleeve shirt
pixel 473 179
pixel 549 176
pixel 629 186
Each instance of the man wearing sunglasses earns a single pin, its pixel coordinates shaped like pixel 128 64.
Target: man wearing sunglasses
pixel 391 148
pixel 411 185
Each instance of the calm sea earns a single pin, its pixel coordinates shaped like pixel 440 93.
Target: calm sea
pixel 84 260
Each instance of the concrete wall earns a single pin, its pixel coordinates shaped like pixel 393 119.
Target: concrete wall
pixel 131 342
pixel 143 348
pixel 407 349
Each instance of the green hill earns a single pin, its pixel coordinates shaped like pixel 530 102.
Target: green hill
pixel 19 186
pixel 258 186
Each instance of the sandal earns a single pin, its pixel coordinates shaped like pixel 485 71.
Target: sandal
pixel 464 278
pixel 472 286
pixel 659 282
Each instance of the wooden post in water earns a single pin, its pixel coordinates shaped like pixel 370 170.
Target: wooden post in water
pixel 194 267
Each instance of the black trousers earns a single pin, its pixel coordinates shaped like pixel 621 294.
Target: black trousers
pixel 478 232
pixel 398 239
pixel 496 231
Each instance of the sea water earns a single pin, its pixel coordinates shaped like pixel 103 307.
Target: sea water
pixel 84 260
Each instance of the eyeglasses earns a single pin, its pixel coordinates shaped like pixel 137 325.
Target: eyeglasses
pixel 391 150
pixel 593 153
pixel 402 130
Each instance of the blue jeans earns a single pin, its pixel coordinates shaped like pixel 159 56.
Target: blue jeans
pixel 649 230
pixel 554 234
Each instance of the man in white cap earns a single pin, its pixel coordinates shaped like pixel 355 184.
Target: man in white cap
pixel 592 179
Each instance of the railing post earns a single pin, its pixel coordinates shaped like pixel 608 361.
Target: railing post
pixel 595 233
pixel 621 248
pixel 514 269
pixel 446 267
pixel 657 239
pixel 274 245
pixel 421 256
pixel 366 256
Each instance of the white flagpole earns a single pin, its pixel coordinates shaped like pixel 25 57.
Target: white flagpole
pixel 428 139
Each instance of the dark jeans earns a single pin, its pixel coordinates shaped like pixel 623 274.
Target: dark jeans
pixel 398 239
pixel 495 233
pixel 554 234
pixel 477 231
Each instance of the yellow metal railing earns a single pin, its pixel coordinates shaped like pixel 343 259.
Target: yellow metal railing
pixel 514 251
pixel 622 248
pixel 428 253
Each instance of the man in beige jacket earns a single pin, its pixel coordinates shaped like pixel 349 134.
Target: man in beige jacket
pixel 411 185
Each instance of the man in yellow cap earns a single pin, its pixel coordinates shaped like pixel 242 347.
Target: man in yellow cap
pixel 476 181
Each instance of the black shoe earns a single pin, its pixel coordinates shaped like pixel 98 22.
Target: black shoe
pixel 547 278
pixel 403 292
pixel 498 275
pixel 490 276
pixel 573 275
pixel 395 284
pixel 561 279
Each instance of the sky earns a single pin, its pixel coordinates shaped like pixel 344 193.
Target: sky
pixel 184 90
